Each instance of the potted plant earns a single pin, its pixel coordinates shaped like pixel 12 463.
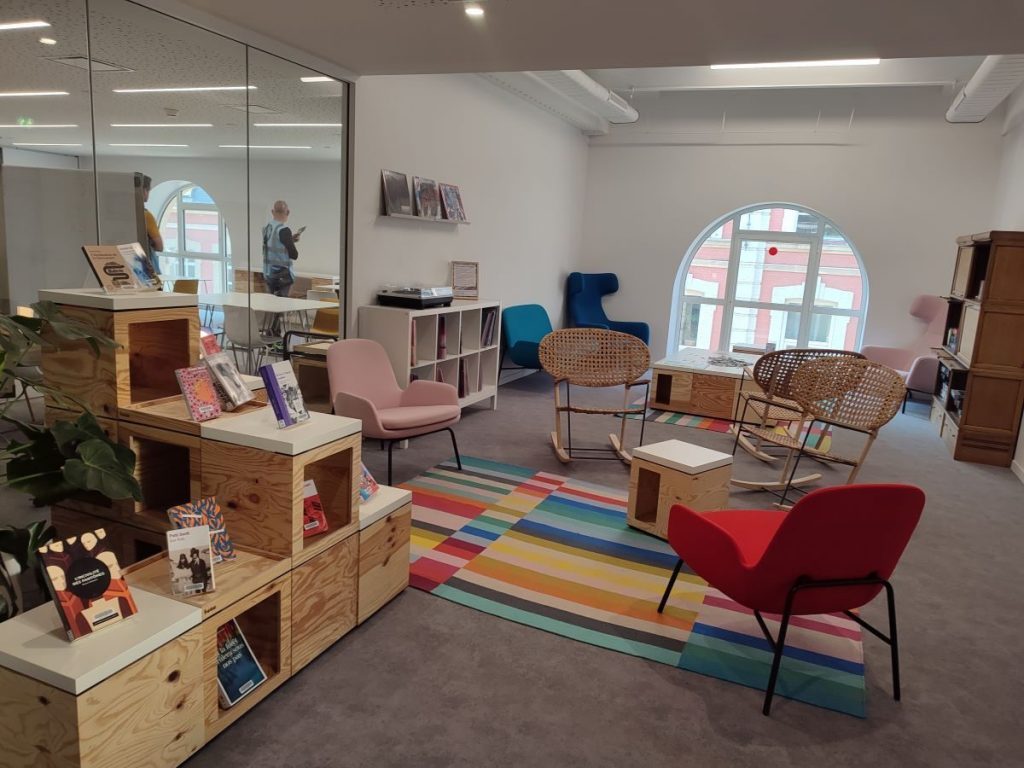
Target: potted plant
pixel 51 463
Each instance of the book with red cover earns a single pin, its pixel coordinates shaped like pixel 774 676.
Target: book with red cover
pixel 314 521
pixel 199 393
pixel 209 344
pixel 86 582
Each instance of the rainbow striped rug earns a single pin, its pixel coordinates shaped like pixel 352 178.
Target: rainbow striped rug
pixel 555 553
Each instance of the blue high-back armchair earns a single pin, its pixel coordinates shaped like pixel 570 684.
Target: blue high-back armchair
pixel 583 295
pixel 522 329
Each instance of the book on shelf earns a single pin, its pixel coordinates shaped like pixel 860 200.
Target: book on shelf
pixel 190 556
pixel 238 671
pixel 367 485
pixel 209 344
pixel 122 268
pixel 442 338
pixel 205 512
pixel 228 380
pixel 463 379
pixel 199 392
pixel 314 521
pixel 487 329
pixel 412 344
pixel 439 375
pixel 85 580
pixel 284 394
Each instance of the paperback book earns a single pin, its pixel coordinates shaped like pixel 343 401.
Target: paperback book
pixel 199 393
pixel 314 521
pixel 205 512
pixel 284 394
pixel 122 268
pixel 85 580
pixel 367 485
pixel 227 380
pixel 190 556
pixel 238 671
pixel 209 344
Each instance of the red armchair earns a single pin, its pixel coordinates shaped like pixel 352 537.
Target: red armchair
pixel 833 552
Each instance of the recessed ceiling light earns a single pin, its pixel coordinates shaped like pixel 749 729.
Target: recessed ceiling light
pixel 39 125
pixel 475 11
pixel 262 146
pixel 147 145
pixel 47 41
pixel 41 144
pixel 15 94
pixel 794 64
pixel 188 89
pixel 318 79
pixel 23 25
pixel 161 125
pixel 297 125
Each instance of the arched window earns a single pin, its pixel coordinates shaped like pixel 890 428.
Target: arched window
pixel 196 239
pixel 770 274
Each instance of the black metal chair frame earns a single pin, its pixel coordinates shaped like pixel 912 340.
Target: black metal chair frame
pixel 614 456
pixel 778 644
pixel 391 446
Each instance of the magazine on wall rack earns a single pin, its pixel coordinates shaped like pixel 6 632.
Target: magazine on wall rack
pixel 122 268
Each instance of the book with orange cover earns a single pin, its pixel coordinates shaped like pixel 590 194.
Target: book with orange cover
pixel 199 393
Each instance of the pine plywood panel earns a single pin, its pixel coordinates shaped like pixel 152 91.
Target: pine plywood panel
pixel 324 600
pixel 654 489
pixel 702 394
pixel 383 561
pixel 168 467
pixel 77 371
pixel 39 726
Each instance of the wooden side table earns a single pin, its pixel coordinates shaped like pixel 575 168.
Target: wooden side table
pixel 674 472
pixel 697 381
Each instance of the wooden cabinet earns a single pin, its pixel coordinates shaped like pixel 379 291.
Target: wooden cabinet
pixel 985 338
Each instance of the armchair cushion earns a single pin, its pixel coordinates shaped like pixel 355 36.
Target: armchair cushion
pixel 423 392
pixel 412 417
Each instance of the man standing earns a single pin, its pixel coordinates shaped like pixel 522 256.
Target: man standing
pixel 279 251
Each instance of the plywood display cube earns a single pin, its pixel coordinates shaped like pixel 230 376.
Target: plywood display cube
pixel 167 466
pixel 674 472
pixel 157 333
pixel 131 697
pixel 324 600
pixel 385 525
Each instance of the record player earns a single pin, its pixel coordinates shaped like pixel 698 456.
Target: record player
pixel 415 297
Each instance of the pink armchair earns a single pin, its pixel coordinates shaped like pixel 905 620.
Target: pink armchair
pixel 363 386
pixel 916 363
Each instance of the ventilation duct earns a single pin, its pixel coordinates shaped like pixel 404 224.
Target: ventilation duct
pixel 996 78
pixel 570 94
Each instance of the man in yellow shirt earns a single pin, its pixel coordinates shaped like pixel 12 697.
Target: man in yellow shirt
pixel 156 240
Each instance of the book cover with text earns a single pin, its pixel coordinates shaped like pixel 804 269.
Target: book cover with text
pixel 199 393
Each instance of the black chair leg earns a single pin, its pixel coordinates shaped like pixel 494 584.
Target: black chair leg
pixel 893 642
pixel 455 445
pixel 780 644
pixel 671 583
pixel 906 397
pixel 391 446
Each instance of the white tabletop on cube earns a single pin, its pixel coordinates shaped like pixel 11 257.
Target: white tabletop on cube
pixel 685 457
pixel 258 429
pixel 96 298
pixel 36 645
pixel 384 502
pixel 262 302
pixel 700 361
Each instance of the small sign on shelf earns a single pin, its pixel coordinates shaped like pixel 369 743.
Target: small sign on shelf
pixel 465 279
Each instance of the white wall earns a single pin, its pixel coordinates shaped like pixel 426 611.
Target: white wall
pixel 521 172
pixel 901 184
pixel 1009 203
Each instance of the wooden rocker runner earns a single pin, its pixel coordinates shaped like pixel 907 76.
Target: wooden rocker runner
pixel 595 357
pixel 845 392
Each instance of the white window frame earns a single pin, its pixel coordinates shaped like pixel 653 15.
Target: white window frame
pixel 222 256
pixel 812 281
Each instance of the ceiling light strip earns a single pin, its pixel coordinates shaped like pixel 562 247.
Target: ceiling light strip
pixel 161 125
pixel 42 144
pixel 261 146
pixel 799 64
pixel 39 125
pixel 34 24
pixel 16 94
pixel 297 125
pixel 188 89
pixel 318 79
pixel 147 145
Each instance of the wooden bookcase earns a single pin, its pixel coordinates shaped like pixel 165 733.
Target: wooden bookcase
pixel 412 339
pixel 292 596
pixel 979 396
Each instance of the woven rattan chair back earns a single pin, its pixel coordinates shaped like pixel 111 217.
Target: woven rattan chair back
pixel 594 357
pixel 774 371
pixel 848 392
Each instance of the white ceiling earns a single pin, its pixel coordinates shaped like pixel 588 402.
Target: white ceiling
pixel 161 52
pixel 430 36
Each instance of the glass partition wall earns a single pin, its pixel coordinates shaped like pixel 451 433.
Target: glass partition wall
pixel 121 124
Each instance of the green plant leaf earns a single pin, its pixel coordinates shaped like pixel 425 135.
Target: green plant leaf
pixel 70 329
pixel 98 468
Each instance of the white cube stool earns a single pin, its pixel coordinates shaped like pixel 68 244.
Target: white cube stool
pixel 674 472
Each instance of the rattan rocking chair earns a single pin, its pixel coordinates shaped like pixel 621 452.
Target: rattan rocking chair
pixel 773 374
pixel 595 357
pixel 846 392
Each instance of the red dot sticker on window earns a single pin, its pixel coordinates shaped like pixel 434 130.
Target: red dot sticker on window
pixel 773 251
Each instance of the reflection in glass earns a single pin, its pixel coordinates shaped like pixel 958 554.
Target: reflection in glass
pixel 773 273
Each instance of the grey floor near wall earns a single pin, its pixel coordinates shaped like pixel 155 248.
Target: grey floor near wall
pixel 430 683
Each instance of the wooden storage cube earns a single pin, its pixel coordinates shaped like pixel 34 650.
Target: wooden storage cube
pixel 324 600
pixel 313 383
pixel 77 371
pixel 167 466
pixel 148 714
pixel 696 393
pixel 383 561
pixel 260 492
pixel 654 489
pixel 471 330
pixel 644 499
pixel 265 619
pixel 155 349
pixel 130 543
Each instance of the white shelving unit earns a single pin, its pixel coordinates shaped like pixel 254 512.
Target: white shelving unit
pixel 463 322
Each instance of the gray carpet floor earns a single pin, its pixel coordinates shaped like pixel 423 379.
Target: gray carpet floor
pixel 426 682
